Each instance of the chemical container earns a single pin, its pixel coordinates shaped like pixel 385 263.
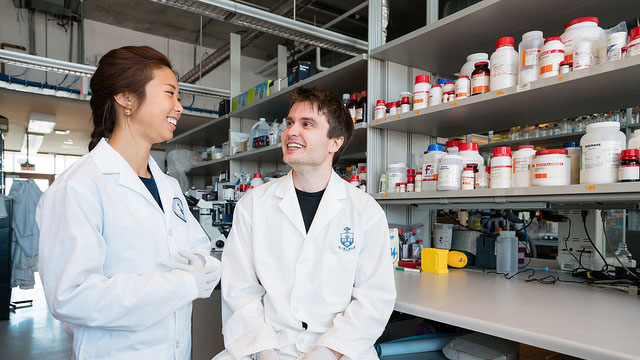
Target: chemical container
pixel 482 178
pixel 577 30
pixel 551 167
pixel 430 163
pixel 501 166
pixel 629 169
pixel 450 172
pixel 522 163
pixel 615 42
pixel 504 64
pixel 468 179
pixel 634 141
pixel 600 157
pixel 470 154
pixel 573 151
pixel 582 55
pixel 380 110
pixel 396 173
pixel 260 134
pixel 529 49
pixel 421 92
pixel 507 253
pixel 553 52
pixel 463 87
pixel 480 78
pixel 453 146
pixel 634 42
pixel 470 65
pixel 435 95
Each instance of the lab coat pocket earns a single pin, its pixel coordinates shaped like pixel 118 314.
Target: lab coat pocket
pixel 339 277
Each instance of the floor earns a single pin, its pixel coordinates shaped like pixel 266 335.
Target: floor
pixel 31 332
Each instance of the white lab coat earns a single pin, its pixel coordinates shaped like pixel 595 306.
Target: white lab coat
pixel 24 253
pixel 103 238
pixel 276 276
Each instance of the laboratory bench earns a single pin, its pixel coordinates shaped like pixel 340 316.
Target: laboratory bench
pixel 569 318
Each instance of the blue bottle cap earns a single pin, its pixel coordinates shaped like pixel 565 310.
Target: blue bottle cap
pixel 435 147
pixel 571 144
pixel 443 81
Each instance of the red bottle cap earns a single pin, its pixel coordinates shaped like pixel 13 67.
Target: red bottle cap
pixel 525 147
pixel 629 153
pixel 354 97
pixel 481 63
pixel 565 62
pixel 552 152
pixel 422 79
pixel 411 171
pixel 363 93
pixel 380 102
pixel 390 105
pixel 581 20
pixel 436 86
pixel 635 33
pixel 355 178
pixel 463 77
pixel 552 38
pixel 504 41
pixel 502 151
pixel 257 175
pixel 405 99
pixel 468 169
pixel 466 146
pixel 453 143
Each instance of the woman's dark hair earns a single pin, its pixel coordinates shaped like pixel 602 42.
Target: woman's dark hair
pixel 127 69
pixel 329 104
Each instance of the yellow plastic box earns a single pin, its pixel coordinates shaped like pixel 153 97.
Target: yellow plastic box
pixel 435 260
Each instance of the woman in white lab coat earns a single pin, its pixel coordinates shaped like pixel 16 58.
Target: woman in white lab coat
pixel 121 256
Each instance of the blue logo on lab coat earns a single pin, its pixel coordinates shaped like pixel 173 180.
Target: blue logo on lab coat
pixel 347 239
pixel 178 209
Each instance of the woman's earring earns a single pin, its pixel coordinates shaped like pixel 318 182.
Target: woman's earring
pixel 127 111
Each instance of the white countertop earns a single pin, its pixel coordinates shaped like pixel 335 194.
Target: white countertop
pixel 573 319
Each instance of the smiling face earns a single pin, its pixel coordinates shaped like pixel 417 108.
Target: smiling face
pixel 305 141
pixel 156 118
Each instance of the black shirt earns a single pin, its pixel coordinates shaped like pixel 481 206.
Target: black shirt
pixel 153 188
pixel 309 203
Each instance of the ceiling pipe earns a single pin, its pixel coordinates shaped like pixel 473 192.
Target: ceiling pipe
pixel 319 66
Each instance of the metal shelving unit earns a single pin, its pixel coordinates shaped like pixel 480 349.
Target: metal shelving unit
pixel 621 195
pixel 573 93
pixel 213 131
pixel 346 77
pixel 544 141
pixel 442 46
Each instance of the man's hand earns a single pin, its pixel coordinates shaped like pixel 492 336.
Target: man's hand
pixel 321 353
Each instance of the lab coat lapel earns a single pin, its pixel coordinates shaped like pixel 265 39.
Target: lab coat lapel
pixel 330 204
pixel 289 203
pixel 111 163
pixel 165 189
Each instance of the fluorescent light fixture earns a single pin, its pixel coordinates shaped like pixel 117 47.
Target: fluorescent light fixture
pixel 35 141
pixel 46 64
pixel 41 123
pixel 203 91
pixel 62 132
pixel 68 142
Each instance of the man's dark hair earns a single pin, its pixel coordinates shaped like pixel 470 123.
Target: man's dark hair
pixel 328 104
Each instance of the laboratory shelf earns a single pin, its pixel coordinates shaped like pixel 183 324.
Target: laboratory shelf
pixel 599 88
pixel 572 319
pixel 543 141
pixel 190 120
pixel 442 47
pixel 619 195
pixel 212 132
pixel 273 154
pixel 346 77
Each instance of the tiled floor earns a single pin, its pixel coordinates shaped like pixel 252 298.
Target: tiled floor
pixel 32 333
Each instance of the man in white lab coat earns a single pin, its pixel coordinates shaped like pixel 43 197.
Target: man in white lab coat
pixel 307 270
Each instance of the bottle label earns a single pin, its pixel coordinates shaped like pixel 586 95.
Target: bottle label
pixel 530 57
pixel 359 114
pixel 521 165
pixel 450 175
pixel 581 60
pixel 479 83
pixel 429 173
pixel 352 112
pixel 628 172
pixel 603 154
pixel 503 70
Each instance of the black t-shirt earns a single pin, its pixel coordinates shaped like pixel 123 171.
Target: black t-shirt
pixel 153 188
pixel 309 203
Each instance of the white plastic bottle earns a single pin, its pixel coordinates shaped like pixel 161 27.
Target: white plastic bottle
pixel 421 92
pixel 504 64
pixel 501 168
pixel 551 167
pixel 615 42
pixel 463 87
pixel 450 173
pixel 397 174
pixel 468 179
pixel 522 161
pixel 380 110
pixel 582 56
pixel 430 163
pixel 601 147
pixel 257 180
pixel 577 30
pixel 482 178
pixel 529 49
pixel 634 42
pixel 453 146
pixel 435 95
pixel 470 154
pixel 552 54
pixel 470 65
pixel 573 151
